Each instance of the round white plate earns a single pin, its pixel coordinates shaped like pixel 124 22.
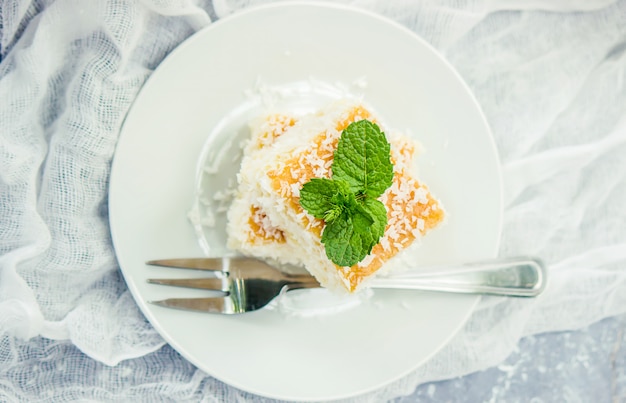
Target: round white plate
pixel 201 95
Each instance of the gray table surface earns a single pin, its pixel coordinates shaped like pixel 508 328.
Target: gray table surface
pixel 587 365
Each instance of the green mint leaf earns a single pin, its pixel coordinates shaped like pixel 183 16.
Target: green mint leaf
pixel 348 239
pixel 378 213
pixel 343 196
pixel 344 246
pixel 332 214
pixel 362 220
pixel 319 197
pixel 362 159
pixel 364 231
pixel 369 221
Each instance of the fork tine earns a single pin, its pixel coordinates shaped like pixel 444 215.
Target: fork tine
pixel 200 283
pixel 211 264
pixel 221 305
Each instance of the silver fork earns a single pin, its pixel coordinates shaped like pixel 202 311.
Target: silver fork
pixel 248 284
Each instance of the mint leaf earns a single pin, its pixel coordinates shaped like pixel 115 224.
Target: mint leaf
pixel 344 246
pixel 332 214
pixel 362 159
pixel 378 212
pixel 320 197
pixel 362 220
pixel 362 223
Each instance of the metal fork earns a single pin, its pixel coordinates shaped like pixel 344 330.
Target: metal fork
pixel 248 284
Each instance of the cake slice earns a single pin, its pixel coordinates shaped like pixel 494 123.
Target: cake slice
pixel 250 229
pixel 266 220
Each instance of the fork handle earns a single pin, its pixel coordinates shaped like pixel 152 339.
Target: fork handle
pixel 516 277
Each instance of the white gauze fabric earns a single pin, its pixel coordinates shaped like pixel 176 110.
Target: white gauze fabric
pixel 549 76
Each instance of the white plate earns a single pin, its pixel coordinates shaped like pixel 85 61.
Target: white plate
pixel 198 96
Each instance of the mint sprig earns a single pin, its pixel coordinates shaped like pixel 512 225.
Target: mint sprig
pixel 362 171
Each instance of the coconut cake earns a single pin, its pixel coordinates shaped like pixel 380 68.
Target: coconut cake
pixel 283 153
